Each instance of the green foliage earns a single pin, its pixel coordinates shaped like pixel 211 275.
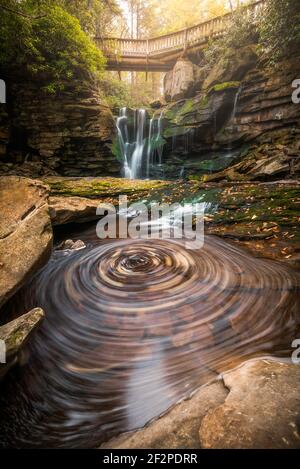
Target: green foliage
pixel 280 29
pixel 243 30
pixel 276 31
pixel 94 16
pixel 53 46
pixel 116 150
pixel 114 91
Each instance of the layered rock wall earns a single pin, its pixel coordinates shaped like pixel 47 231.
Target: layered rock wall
pixel 68 134
pixel 240 104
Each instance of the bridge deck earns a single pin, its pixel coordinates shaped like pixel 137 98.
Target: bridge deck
pixel 160 53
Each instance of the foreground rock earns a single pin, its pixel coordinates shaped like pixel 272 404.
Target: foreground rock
pixel 255 406
pixel 260 411
pixel 72 210
pixel 75 200
pixel 263 217
pixel 176 429
pixel 13 337
pixel 71 245
pixel 25 232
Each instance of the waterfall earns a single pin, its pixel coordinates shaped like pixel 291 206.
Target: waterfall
pixel 236 99
pixel 149 149
pixel 137 156
pixel 158 137
pixel 123 138
pixel 139 146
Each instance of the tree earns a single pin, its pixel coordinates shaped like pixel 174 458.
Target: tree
pixel 280 29
pixel 48 41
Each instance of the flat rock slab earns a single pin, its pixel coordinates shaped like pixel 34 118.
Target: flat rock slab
pixel 65 210
pixel 99 188
pixel 25 232
pixel 75 200
pixel 262 409
pixel 177 429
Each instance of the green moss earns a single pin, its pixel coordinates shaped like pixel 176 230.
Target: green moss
pixel 175 131
pixel 225 86
pixel 187 107
pixel 115 149
pixel 204 101
pixel 100 187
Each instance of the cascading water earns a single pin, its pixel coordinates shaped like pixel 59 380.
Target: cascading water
pixel 137 156
pixel 159 148
pixel 235 104
pixel 123 138
pixel 137 146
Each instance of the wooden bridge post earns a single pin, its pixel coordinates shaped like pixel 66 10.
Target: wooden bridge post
pixel 185 39
pixel 147 59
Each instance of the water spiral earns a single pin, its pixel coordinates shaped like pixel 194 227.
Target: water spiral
pixel 132 326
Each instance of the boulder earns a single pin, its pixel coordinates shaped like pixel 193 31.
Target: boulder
pixel 232 67
pixel 268 167
pixel 179 81
pixel 25 232
pixel 14 335
pixel 72 209
pixel 260 411
pixel 71 245
pixel 206 112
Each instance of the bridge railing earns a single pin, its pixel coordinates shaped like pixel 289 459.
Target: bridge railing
pixel 185 38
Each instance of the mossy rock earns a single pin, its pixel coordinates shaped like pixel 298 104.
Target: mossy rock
pixel 229 85
pixel 99 187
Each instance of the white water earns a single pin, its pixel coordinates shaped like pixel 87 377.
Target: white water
pixel 137 156
pixel 236 99
pixel 139 146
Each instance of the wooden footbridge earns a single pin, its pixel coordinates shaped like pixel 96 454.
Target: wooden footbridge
pixel 159 54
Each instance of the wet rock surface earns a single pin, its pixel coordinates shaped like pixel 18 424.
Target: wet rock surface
pixel 260 411
pixel 263 217
pixel 178 428
pixel 15 335
pixel 25 232
pixel 248 109
pixel 77 199
pixel 252 407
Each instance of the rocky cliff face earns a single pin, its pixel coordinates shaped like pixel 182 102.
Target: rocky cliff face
pixel 241 109
pixel 69 134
